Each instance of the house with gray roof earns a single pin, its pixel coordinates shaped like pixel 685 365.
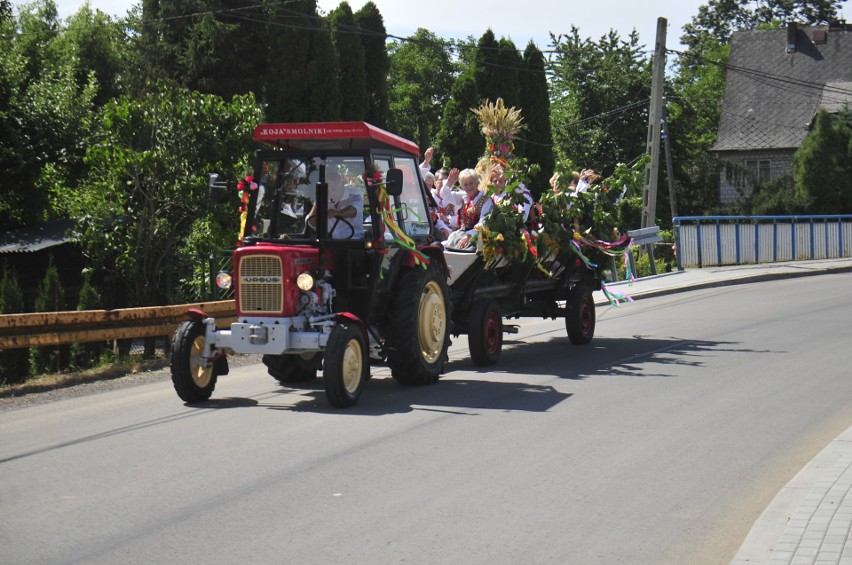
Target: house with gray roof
pixel 777 81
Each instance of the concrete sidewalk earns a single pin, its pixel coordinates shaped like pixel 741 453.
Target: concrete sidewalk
pixel 810 519
pixel 709 277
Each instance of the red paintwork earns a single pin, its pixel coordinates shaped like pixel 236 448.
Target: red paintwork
pixel 294 261
pixel 280 133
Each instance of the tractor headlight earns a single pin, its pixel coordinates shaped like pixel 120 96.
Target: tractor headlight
pixel 305 282
pixel 224 280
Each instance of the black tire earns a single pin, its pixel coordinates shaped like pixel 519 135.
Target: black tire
pixel 485 332
pixel 419 330
pixel 192 382
pixel 580 315
pixel 345 365
pixel 293 368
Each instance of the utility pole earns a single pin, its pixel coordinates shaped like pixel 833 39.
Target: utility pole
pixel 655 119
pixel 669 166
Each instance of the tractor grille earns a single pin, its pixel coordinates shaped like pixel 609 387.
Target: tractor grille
pixel 261 281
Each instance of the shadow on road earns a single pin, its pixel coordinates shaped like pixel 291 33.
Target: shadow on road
pixel 636 356
pixel 499 389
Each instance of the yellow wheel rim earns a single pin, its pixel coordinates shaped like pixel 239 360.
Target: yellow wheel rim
pixel 353 366
pixel 432 322
pixel 201 373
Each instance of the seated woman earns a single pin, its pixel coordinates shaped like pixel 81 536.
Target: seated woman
pixel 471 212
pixel 345 209
pixel 522 199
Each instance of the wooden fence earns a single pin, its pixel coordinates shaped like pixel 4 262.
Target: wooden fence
pixel 59 328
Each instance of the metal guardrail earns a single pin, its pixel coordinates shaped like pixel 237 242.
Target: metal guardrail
pixel 644 237
pixel 736 240
pixel 59 328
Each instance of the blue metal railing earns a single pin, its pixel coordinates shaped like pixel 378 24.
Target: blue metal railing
pixel 735 240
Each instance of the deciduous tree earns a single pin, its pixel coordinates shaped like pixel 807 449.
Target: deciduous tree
pixel 421 73
pixel 599 99
pixel 146 196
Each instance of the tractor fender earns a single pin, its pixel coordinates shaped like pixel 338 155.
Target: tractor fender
pixel 350 318
pixel 196 314
pixel 434 253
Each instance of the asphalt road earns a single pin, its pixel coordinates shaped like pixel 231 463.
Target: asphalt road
pixel 661 442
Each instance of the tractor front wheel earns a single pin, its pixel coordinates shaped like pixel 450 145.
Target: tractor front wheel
pixel 346 365
pixel 194 378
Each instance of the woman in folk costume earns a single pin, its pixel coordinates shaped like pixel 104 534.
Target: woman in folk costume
pixel 523 200
pixel 471 212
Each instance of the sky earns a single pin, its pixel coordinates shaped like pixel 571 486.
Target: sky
pixel 518 20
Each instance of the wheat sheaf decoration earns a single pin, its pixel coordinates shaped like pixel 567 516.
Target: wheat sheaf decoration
pixel 497 121
pixel 500 125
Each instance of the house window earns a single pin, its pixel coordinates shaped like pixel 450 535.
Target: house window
pixel 759 170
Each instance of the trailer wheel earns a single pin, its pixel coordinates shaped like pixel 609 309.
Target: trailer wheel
pixel 296 368
pixel 485 332
pixel 419 330
pixel 346 366
pixel 580 315
pixel 193 378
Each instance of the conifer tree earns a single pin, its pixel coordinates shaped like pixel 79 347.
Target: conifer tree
pixel 85 355
pixel 376 63
pixel 14 363
pixel 50 298
pixel 301 83
pixel 459 139
pixel 537 145
pixel 823 164
pixel 351 75
pixel 214 47
pixel 509 65
pixel 489 80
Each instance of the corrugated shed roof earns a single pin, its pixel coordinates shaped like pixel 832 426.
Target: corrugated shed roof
pixel 771 96
pixel 36 238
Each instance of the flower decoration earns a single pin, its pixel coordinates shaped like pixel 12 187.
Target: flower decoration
pixel 244 190
pixel 374 180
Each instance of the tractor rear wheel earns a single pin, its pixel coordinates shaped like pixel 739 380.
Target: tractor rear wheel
pixel 292 368
pixel 419 331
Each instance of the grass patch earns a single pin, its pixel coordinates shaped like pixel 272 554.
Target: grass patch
pixel 48 382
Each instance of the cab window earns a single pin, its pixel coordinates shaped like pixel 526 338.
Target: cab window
pixel 415 214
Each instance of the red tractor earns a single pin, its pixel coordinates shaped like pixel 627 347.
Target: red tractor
pixel 338 267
